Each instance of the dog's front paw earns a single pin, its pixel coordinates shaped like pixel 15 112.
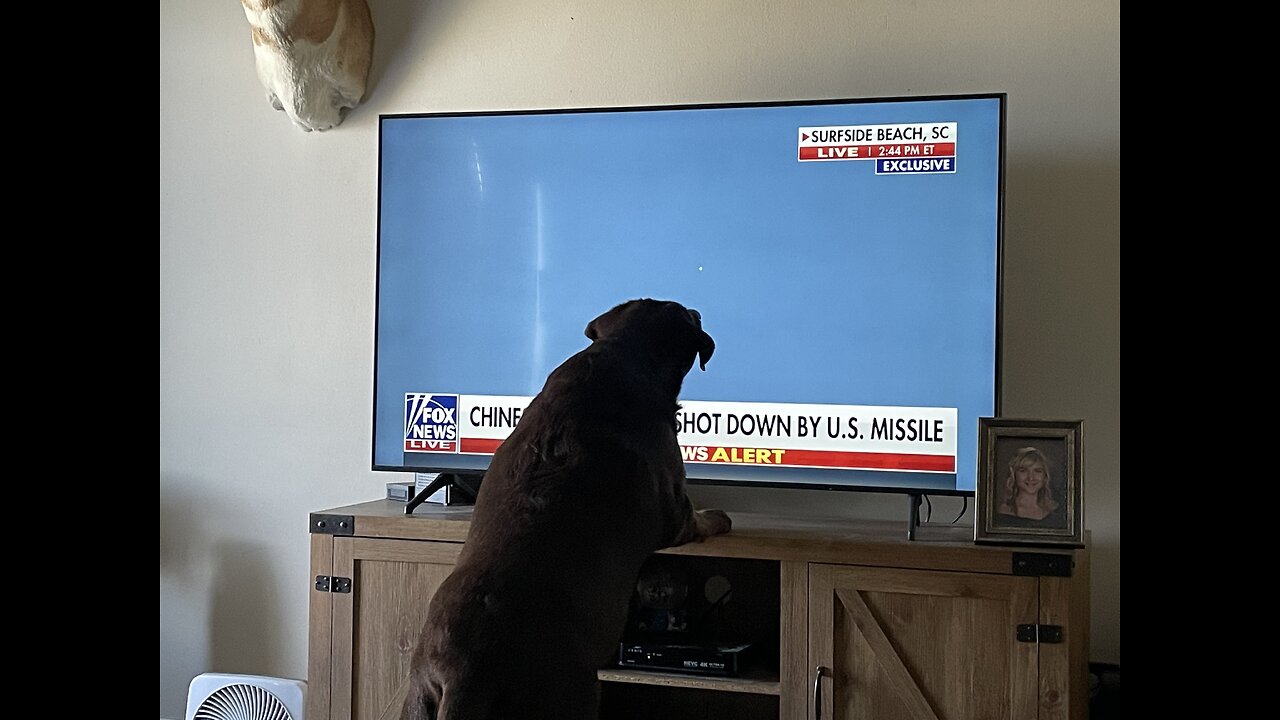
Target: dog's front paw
pixel 713 522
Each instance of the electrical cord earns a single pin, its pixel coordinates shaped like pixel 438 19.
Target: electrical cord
pixel 929 509
pixel 713 613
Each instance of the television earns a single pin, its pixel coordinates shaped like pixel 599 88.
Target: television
pixel 845 255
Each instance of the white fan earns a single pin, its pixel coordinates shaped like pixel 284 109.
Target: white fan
pixel 221 696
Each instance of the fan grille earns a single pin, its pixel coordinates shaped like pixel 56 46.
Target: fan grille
pixel 242 702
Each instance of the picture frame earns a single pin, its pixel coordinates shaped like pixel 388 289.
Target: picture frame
pixel 1043 456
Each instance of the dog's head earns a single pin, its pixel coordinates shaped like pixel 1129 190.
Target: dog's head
pixel 671 330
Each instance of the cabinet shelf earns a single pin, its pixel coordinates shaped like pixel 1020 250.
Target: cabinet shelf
pixel 759 682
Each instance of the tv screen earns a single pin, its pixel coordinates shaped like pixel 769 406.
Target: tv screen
pixel 844 255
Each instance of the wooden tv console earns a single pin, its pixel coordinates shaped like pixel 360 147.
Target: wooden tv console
pixel 868 623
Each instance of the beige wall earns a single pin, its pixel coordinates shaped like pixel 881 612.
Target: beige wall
pixel 267 251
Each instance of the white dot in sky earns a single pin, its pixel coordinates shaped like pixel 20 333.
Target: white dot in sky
pixel 699 268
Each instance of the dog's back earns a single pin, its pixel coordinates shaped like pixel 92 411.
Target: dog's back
pixel 589 484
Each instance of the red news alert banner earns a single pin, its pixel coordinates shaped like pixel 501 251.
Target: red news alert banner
pixel 819 458
pixel 869 152
pixel 856 437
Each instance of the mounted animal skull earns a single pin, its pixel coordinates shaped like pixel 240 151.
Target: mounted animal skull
pixel 313 56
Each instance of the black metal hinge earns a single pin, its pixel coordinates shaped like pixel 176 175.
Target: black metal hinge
pixel 1050 634
pixel 333 524
pixel 324 583
pixel 1041 564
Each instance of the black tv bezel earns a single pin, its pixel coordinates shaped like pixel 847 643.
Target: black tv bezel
pixel 1001 97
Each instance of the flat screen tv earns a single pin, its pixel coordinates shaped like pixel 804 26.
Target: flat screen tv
pixel 845 255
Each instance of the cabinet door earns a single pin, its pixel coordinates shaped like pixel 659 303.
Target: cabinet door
pixel 376 625
pixel 921 645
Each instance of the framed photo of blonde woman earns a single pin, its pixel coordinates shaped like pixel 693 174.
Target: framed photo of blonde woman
pixel 1030 487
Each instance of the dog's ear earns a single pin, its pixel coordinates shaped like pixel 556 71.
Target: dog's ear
pixel 611 319
pixel 702 342
pixel 599 327
pixel 707 347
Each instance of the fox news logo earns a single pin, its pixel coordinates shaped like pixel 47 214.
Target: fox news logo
pixel 430 423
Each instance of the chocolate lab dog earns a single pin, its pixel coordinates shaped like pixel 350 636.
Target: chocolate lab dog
pixel 589 484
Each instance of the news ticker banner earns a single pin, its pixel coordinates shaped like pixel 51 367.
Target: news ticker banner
pixel 849 437
pixel 903 149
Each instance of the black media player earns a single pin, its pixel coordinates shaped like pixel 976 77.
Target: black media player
pixel 700 658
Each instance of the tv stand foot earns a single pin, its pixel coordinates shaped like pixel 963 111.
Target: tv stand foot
pixel 459 481
pixel 913 514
